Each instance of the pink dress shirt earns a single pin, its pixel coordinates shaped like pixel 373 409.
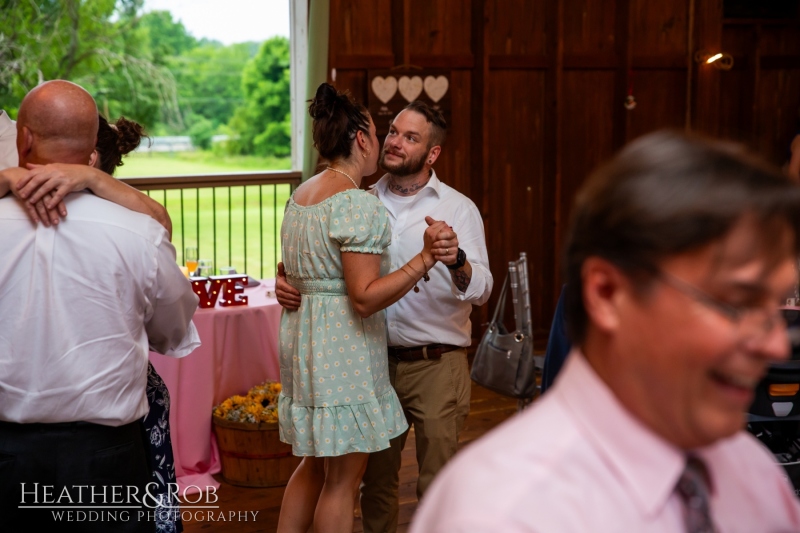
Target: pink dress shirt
pixel 578 461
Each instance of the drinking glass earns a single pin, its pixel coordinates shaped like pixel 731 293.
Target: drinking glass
pixel 190 258
pixel 205 267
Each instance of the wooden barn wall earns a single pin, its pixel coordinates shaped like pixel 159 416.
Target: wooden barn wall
pixel 537 98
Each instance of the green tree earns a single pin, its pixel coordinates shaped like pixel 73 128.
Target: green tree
pixel 201 132
pixel 209 79
pixel 96 43
pixel 166 37
pixel 262 125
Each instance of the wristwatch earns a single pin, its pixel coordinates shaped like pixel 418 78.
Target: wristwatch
pixel 461 260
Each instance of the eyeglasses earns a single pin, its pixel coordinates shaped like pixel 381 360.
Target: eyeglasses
pixel 751 321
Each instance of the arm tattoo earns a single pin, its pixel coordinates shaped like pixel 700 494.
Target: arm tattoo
pixel 461 279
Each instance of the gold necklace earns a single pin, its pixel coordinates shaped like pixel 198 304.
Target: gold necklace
pixel 345 174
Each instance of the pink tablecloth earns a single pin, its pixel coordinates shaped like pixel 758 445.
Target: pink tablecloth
pixel 239 350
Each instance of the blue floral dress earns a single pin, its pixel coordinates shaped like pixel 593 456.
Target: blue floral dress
pixel 336 397
pixel 162 461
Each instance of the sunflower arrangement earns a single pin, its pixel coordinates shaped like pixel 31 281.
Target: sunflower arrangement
pixel 260 404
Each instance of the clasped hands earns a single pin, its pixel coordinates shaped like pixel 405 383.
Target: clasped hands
pixel 42 188
pixel 444 241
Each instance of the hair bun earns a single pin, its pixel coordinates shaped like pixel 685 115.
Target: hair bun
pixel 129 135
pixel 324 103
pixel 337 119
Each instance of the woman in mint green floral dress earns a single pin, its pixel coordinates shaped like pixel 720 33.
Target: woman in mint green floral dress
pixel 337 404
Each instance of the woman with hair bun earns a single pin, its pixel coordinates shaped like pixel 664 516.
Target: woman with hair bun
pixel 336 404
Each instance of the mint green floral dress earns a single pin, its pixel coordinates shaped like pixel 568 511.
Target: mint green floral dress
pixel 336 396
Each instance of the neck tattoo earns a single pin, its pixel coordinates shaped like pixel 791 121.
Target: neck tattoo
pixel 407 190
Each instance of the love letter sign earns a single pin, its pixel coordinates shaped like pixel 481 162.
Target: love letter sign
pixel 210 289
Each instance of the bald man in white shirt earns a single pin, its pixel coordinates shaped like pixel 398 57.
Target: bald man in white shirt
pixel 83 304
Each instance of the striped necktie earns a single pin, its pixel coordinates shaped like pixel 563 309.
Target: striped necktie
pixel 693 489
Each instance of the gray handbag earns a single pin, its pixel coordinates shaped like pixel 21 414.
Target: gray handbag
pixel 504 361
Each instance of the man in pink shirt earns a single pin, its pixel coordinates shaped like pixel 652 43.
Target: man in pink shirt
pixel 679 254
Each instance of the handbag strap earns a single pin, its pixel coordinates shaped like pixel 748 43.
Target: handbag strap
pixel 500 308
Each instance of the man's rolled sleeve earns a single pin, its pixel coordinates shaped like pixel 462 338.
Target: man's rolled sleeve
pixel 472 240
pixel 169 328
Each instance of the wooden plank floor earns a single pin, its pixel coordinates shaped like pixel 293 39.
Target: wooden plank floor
pixel 487 410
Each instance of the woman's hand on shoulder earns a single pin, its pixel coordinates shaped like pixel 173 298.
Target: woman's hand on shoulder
pixel 55 179
pixel 41 209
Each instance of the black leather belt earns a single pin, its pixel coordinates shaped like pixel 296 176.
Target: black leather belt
pixel 418 353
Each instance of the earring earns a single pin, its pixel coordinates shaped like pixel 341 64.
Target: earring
pixel 365 154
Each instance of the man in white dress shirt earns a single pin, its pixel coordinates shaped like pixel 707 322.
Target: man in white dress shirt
pixel 679 255
pixel 428 330
pixel 83 303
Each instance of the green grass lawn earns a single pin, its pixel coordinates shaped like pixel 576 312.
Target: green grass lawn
pixel 186 163
pixel 233 226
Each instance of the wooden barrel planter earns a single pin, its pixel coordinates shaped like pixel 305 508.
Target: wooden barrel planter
pixel 252 455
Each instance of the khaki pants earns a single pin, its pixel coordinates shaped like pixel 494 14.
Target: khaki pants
pixel 435 399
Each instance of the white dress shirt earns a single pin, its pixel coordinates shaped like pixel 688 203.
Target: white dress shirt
pixel 578 461
pixel 81 301
pixel 8 141
pixel 439 312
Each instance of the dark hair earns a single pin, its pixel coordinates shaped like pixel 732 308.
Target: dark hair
pixel 434 117
pixel 115 140
pixel 664 194
pixel 337 119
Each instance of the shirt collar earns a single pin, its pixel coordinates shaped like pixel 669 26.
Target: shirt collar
pixel 5 122
pixel 647 465
pixel 434 184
